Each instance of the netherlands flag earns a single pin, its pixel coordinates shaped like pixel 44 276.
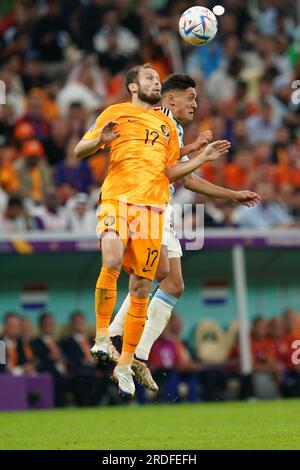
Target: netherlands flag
pixel 215 292
pixel 34 296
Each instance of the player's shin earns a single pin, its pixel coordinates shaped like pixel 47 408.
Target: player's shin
pixel 117 325
pixel 105 299
pixel 133 328
pixel 159 313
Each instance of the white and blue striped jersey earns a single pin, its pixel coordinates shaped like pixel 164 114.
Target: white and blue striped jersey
pixel 179 129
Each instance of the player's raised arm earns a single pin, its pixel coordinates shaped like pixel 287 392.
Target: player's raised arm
pixel 212 152
pixel 105 135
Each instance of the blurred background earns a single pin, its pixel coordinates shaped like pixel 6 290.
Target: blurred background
pixel 61 63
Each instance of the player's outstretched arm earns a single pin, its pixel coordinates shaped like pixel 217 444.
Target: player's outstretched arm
pixel 198 185
pixel 107 134
pixel 212 152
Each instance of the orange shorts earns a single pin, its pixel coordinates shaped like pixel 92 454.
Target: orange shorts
pixel 140 228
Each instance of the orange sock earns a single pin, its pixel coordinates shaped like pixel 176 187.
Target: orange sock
pixel 133 327
pixel 105 299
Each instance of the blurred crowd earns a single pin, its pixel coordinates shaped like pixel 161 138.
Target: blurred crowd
pixel 62 62
pixel 207 368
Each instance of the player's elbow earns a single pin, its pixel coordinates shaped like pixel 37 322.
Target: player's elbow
pixel 78 150
pixel 188 181
pixel 171 175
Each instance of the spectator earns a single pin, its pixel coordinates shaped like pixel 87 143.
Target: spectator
pixel 223 83
pixel 80 218
pixel 18 362
pixel 49 357
pixel 267 214
pixel 72 172
pixel 55 144
pixel 85 85
pixel 237 174
pixel 15 218
pixel 35 115
pixel 282 139
pixel 6 125
pixel 33 172
pixel 289 172
pixel 172 364
pixel 89 381
pixel 291 321
pixel 33 76
pixel 262 127
pixel 22 132
pixel 266 369
pixel 26 337
pixel 112 60
pixel 49 36
pixel 9 179
pixel 127 43
pixel 51 213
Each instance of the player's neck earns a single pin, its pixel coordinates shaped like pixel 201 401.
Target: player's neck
pixel 141 104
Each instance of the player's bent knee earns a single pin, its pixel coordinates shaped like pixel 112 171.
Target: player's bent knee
pixel 140 292
pixel 140 288
pixel 175 288
pixel 112 261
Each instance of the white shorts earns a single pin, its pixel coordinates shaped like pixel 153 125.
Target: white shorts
pixel 170 239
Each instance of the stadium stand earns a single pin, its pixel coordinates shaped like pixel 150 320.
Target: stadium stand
pixel 64 61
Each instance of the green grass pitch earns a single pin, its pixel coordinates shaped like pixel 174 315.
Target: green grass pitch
pixel 233 425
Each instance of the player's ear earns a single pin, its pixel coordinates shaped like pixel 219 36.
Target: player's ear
pixel 133 88
pixel 171 99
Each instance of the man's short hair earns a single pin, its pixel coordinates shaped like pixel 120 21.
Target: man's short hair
pixel 44 317
pixel 177 81
pixel 14 201
pixel 75 314
pixel 133 73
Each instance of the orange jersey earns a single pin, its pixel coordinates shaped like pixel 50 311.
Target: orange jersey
pixel 148 144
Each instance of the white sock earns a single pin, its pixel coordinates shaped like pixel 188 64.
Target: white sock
pixel 159 312
pixel 117 325
pixel 154 287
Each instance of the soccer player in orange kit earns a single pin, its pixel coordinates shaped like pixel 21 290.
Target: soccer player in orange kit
pixel 144 159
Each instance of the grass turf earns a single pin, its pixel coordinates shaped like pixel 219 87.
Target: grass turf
pixel 233 425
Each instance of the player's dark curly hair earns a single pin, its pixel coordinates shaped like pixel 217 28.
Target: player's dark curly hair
pixel 177 81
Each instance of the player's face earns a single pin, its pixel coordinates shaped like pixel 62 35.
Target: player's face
pixel 149 86
pixel 184 104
